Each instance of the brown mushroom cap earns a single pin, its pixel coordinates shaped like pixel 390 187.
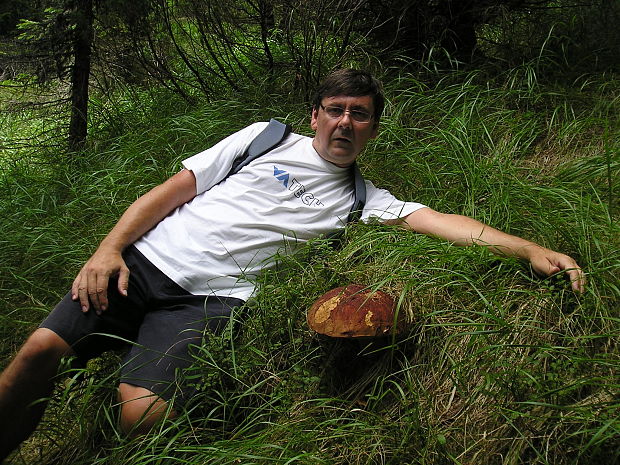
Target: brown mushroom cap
pixel 355 311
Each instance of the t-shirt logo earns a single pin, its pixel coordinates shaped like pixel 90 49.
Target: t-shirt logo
pixel 281 176
pixel 296 187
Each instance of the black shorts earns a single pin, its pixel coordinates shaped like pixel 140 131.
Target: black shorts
pixel 160 320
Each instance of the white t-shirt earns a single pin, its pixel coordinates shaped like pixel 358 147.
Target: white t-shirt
pixel 218 242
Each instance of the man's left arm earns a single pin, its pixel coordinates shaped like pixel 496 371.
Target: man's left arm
pixel 463 230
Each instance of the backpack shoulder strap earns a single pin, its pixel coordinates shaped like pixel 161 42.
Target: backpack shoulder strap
pixel 266 140
pixel 360 195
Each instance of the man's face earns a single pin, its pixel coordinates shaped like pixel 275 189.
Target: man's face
pixel 341 140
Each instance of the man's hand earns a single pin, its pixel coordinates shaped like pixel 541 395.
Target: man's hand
pixel 91 284
pixel 547 262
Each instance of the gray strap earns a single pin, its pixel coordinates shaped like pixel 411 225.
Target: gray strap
pixel 360 195
pixel 267 139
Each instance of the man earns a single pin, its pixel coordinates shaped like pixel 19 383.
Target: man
pixel 186 252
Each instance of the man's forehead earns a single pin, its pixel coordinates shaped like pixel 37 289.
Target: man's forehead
pixel 362 101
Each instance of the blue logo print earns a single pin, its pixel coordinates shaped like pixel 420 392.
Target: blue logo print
pixel 297 188
pixel 281 176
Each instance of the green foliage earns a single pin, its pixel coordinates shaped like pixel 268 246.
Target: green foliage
pixel 47 37
pixel 212 50
pixel 499 365
pixel 572 37
pixel 12 12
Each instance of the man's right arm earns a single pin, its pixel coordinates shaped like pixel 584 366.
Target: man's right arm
pixel 90 285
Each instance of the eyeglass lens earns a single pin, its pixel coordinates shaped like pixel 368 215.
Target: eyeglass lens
pixel 357 115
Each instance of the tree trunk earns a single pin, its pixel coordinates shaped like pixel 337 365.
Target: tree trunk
pixel 267 23
pixel 82 48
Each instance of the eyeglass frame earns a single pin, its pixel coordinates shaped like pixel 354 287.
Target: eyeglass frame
pixel 351 113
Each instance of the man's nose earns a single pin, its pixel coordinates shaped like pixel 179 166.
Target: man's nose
pixel 345 119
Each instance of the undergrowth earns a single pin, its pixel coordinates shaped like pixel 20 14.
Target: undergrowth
pixel 499 366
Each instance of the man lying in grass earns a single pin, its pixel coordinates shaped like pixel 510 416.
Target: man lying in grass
pixel 184 254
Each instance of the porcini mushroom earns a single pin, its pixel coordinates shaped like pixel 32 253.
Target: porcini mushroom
pixel 355 311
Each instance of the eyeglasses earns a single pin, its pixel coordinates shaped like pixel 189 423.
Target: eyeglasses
pixel 338 112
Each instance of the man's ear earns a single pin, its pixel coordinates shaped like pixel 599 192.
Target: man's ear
pixel 313 120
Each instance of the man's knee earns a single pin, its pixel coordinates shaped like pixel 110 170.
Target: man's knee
pixel 42 351
pixel 141 409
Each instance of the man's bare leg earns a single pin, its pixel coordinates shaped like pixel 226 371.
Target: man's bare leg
pixel 27 379
pixel 141 409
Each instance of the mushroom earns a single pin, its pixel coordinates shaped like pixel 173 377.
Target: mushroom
pixel 355 311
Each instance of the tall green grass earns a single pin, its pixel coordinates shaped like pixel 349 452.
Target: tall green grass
pixel 499 367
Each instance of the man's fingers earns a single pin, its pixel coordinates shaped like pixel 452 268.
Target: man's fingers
pixel 92 288
pixel 75 287
pixel 101 291
pixel 82 293
pixel 79 291
pixel 123 281
pixel 578 280
pixel 574 272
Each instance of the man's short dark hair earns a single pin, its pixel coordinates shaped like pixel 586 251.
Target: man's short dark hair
pixel 352 83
